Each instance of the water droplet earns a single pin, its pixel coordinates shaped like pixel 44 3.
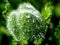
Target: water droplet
pixel 28 16
pixel 33 21
pixel 35 37
pixel 27 20
pixel 28 30
pixel 23 33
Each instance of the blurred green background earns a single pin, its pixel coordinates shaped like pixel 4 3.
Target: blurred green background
pixel 52 36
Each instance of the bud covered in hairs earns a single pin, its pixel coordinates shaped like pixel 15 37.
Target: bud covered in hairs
pixel 26 23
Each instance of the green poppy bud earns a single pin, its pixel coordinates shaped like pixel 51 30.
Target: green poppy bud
pixel 26 23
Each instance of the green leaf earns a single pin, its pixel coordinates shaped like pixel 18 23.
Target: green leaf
pixel 38 42
pixel 47 12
